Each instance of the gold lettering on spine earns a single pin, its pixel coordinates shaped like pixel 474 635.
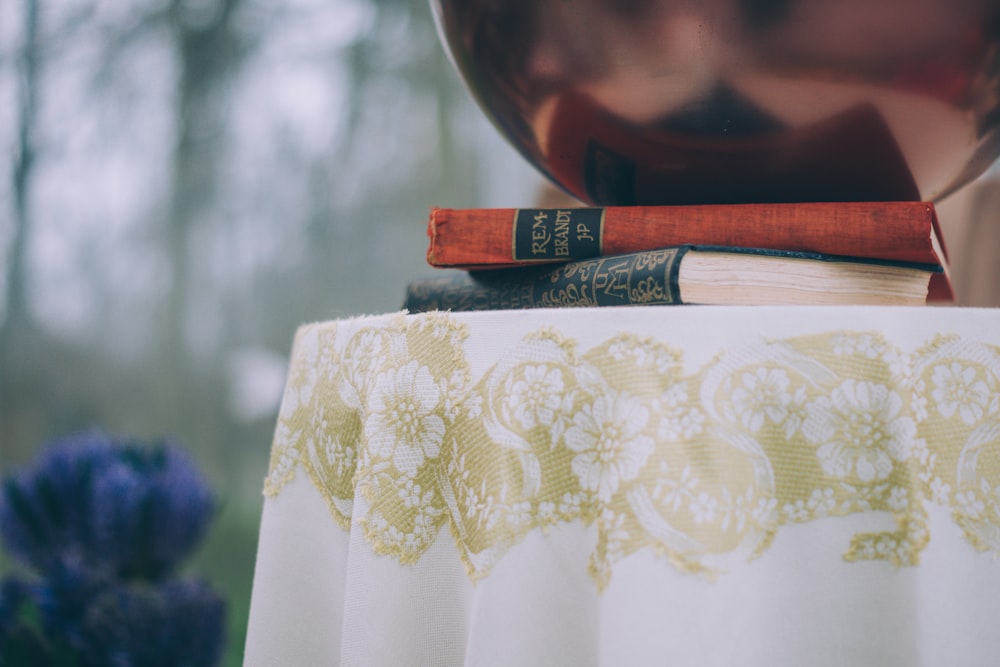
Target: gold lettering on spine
pixel 540 236
pixel 561 245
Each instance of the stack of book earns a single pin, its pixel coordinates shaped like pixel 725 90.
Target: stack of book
pixel 885 253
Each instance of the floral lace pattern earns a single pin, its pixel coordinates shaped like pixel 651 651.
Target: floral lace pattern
pixel 703 468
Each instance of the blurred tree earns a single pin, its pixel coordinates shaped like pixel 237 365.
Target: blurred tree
pixel 24 157
pixel 209 53
pixel 16 323
pixel 187 181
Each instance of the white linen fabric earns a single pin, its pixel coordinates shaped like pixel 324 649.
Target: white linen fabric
pixel 636 486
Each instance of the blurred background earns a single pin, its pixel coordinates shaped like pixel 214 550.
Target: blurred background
pixel 184 182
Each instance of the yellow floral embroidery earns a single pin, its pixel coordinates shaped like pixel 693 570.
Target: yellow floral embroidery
pixel 703 468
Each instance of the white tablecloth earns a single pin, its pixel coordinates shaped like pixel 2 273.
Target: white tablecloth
pixel 636 486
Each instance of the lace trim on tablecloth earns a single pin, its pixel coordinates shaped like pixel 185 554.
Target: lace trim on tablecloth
pixel 703 468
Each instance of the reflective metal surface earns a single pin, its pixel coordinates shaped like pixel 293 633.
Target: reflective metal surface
pixel 686 101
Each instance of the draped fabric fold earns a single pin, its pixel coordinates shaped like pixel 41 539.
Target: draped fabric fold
pixel 681 485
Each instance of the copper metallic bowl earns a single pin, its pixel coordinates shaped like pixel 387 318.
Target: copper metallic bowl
pixel 724 101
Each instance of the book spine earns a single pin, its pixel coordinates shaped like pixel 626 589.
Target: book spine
pixel 642 278
pixel 480 238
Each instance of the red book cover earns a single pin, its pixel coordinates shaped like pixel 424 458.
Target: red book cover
pixel 899 231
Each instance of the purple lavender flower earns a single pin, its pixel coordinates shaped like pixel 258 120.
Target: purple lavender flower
pixel 62 599
pixel 179 622
pixel 21 641
pixel 13 592
pixel 45 510
pixel 105 523
pixel 100 503
pixel 154 509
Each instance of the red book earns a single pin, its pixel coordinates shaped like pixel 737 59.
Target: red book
pixel 901 231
